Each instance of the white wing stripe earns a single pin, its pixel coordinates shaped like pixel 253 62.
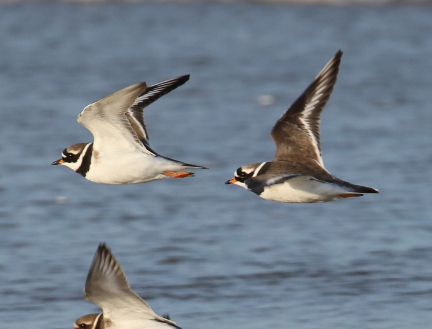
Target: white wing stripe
pixel 258 169
pixel 313 139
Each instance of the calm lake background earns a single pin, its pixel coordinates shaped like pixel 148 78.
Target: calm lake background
pixel 212 255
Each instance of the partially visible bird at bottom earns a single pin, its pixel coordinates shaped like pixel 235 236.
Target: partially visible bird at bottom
pixel 107 286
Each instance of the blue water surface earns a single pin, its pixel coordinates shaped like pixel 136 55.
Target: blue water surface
pixel 212 255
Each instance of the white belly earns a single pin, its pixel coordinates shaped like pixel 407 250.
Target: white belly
pixel 127 323
pixel 139 168
pixel 305 190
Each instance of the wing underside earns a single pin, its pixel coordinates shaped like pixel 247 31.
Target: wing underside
pixel 107 286
pixel 117 120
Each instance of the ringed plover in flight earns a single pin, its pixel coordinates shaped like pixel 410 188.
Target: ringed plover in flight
pixel 121 152
pixel 108 287
pixel 297 172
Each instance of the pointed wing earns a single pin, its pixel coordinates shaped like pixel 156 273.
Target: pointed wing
pixel 296 133
pixel 135 113
pixel 117 122
pixel 108 287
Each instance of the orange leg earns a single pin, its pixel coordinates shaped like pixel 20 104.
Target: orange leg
pixel 178 174
pixel 350 195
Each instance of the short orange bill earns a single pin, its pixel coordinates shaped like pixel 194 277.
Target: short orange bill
pixel 58 162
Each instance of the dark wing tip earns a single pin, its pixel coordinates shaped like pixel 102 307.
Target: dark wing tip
pixel 190 165
pixel 102 258
pixel 371 190
pixel 335 61
pixel 331 68
pixel 184 78
pixel 103 249
pixel 154 92
pixel 105 256
pixel 177 82
pixel 365 189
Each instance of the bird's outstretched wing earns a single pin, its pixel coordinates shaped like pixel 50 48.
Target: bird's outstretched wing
pixel 107 286
pixel 117 121
pixel 296 133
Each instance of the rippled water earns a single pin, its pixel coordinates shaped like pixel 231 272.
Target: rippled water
pixel 211 255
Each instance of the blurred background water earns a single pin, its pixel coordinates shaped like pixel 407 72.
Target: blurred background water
pixel 212 255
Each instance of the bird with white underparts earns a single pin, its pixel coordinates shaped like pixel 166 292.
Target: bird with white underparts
pixel 297 173
pixel 121 151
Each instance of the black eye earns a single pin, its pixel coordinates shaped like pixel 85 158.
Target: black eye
pixel 241 173
pixel 67 155
pixel 83 325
